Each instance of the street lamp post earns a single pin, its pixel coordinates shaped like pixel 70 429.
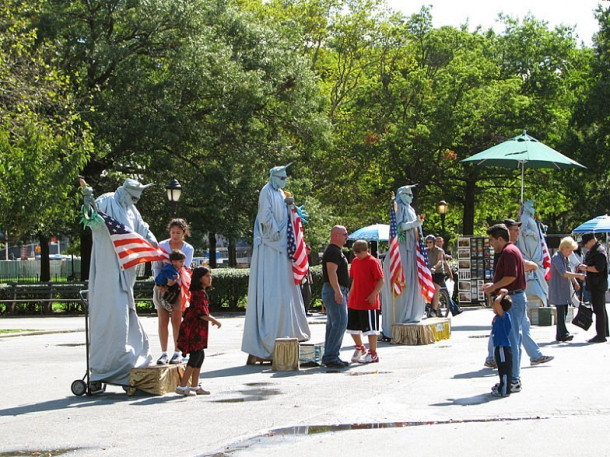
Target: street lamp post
pixel 442 210
pixel 174 190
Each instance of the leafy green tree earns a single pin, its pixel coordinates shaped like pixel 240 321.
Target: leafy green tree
pixel 43 140
pixel 591 132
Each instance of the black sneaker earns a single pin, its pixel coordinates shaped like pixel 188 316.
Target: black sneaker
pixel 597 340
pixel 337 364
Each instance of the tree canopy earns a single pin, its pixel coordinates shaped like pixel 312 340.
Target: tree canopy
pixel 361 98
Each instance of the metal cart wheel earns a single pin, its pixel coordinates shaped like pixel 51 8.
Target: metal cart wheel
pixel 78 387
pixel 443 302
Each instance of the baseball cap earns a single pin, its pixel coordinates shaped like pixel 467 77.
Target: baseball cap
pixel 511 223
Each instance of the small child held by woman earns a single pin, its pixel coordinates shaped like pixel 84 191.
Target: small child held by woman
pixel 193 335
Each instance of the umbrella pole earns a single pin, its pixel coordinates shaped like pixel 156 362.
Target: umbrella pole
pixel 522 179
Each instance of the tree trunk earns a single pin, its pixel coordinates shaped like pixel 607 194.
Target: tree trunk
pixel 232 253
pixel 86 243
pixel 148 269
pixel 212 249
pixel 469 195
pixel 45 265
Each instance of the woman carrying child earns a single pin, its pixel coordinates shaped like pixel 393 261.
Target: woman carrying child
pixel 193 335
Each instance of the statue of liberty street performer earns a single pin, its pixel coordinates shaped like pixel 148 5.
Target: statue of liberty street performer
pixel 118 341
pixel 530 245
pixel 275 304
pixel 408 307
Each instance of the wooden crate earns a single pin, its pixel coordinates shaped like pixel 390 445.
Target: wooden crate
pixel 285 354
pixel 155 379
pixel 425 332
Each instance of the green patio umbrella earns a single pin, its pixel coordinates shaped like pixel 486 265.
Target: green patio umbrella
pixel 520 152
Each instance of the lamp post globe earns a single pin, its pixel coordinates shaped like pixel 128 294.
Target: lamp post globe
pixel 174 190
pixel 442 210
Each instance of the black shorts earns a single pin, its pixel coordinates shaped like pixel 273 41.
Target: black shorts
pixel 196 358
pixel 363 321
pixel 439 278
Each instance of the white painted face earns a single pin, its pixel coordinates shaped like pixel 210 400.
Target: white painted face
pixel 134 195
pixel 406 196
pixel 278 179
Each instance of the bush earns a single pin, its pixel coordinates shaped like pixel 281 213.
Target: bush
pixel 229 288
pixel 318 281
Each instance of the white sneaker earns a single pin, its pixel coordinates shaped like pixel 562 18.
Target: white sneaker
pixel 162 360
pixel 358 354
pixel 176 358
pixel 200 390
pixel 185 391
pixel 369 358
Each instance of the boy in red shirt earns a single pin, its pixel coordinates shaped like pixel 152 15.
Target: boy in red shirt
pixel 363 302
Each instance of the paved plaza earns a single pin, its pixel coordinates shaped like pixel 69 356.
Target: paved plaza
pixel 419 400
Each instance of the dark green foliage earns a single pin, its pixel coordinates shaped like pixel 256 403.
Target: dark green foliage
pixel 229 289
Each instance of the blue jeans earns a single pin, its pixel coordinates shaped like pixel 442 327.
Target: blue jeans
pixel 336 322
pixel 518 317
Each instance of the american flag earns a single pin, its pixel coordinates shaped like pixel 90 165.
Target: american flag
pixel 397 277
pixel 546 258
pixel 296 246
pixel 130 247
pixel 184 281
pixel 423 268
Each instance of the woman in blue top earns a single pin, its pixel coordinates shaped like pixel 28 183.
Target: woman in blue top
pixel 561 283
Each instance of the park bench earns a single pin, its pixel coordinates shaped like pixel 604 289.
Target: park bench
pixel 43 295
pixel 40 294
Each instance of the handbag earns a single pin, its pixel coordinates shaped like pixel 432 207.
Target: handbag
pixel 584 317
pixel 170 297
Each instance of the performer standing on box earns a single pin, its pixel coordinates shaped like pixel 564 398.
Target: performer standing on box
pixel 193 336
pixel 363 302
pixel 409 307
pixel 510 275
pixel 275 305
pixel 334 296
pixel 500 330
pixel 118 342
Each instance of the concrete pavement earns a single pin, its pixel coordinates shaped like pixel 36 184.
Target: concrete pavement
pixel 421 400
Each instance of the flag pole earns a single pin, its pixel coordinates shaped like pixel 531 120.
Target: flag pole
pixel 391 286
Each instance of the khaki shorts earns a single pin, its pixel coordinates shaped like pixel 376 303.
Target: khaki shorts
pixel 163 304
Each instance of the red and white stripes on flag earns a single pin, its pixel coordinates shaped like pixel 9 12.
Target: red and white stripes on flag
pixel 296 246
pixel 184 281
pixel 131 248
pixel 424 276
pixel 397 277
pixel 546 258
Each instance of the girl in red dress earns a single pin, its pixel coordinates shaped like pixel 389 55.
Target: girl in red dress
pixel 193 335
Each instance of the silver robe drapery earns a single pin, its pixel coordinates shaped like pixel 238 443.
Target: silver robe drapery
pixel 531 249
pixel 118 342
pixel 409 307
pixel 275 305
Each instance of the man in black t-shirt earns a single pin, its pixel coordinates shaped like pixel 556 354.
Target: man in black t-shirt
pixel 595 266
pixel 334 296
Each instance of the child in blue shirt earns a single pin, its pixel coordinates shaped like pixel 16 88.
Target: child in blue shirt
pixel 500 329
pixel 167 279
